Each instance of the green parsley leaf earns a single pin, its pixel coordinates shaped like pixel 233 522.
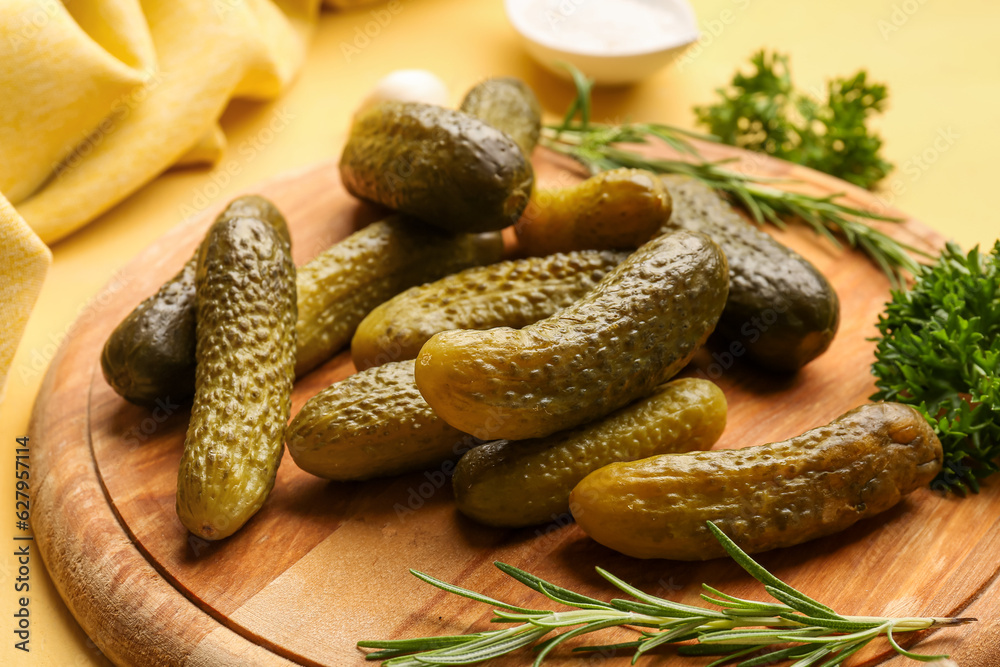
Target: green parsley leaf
pixel 939 351
pixel 763 112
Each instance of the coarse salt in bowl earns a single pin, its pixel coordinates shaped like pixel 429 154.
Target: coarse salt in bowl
pixel 611 41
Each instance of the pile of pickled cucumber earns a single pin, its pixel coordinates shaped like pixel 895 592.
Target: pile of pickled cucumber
pixel 551 374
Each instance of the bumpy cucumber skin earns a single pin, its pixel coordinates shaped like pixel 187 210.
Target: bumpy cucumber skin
pixel 636 329
pixel 372 424
pixel 508 104
pixel 526 482
pixel 150 355
pixel 445 167
pixel 513 293
pixel 763 497
pixel 781 309
pixel 246 314
pixel 617 209
pixel 343 284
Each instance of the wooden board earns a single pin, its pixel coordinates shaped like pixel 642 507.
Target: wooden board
pixel 324 565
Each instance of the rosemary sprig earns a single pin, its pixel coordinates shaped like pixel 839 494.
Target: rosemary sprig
pixel 600 147
pixel 793 627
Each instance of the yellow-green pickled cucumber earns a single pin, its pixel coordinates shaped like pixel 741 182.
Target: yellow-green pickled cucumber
pixel 524 482
pixel 508 104
pixel 344 283
pixel 636 329
pixel 445 167
pixel 617 209
pixel 372 424
pixel 245 302
pixel 513 293
pixel 763 497
pixel 150 355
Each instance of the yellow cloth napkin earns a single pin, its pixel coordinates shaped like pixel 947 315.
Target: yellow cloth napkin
pixel 24 259
pixel 103 95
pixel 100 96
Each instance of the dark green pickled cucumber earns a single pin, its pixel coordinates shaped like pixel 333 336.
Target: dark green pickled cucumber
pixel 508 104
pixel 150 355
pixel 372 424
pixel 445 167
pixel 782 313
pixel 524 482
pixel 245 301
pixel 763 497
pixel 513 293
pixel 637 328
pixel 344 283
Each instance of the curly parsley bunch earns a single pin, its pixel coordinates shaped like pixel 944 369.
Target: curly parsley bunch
pixel 763 112
pixel 940 352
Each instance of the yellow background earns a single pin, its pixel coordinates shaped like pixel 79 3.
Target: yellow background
pixel 940 61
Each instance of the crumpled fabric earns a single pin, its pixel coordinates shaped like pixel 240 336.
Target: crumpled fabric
pixel 24 259
pixel 100 96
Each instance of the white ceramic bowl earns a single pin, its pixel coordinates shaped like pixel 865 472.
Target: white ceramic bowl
pixel 602 38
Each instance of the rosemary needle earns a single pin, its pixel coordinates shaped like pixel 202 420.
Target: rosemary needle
pixel 794 627
pixel 600 147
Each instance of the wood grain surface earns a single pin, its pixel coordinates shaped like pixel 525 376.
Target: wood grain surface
pixel 325 564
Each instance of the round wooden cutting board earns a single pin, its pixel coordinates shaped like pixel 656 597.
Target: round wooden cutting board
pixel 324 565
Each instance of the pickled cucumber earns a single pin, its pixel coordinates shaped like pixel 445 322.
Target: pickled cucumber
pixel 637 328
pixel 372 424
pixel 445 167
pixel 508 104
pixel 344 283
pixel 245 300
pixel 150 355
pixel 763 497
pixel 514 293
pixel 524 482
pixel 617 209
pixel 782 313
